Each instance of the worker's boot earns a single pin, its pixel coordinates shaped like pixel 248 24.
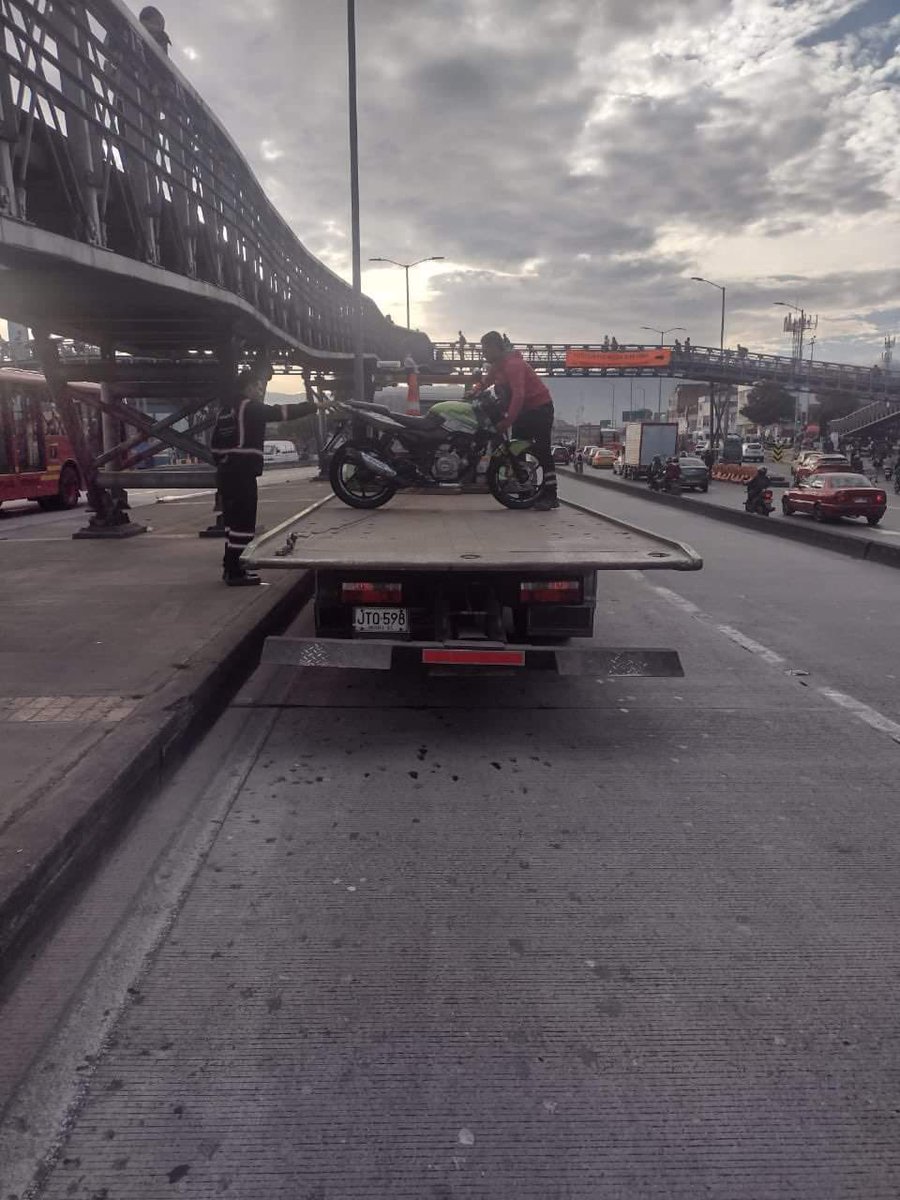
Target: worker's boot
pixel 233 573
pixel 548 499
pixel 243 579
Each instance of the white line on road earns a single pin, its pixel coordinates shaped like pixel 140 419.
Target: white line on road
pixel 863 712
pixel 763 652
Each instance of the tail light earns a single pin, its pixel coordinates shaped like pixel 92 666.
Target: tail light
pixel 550 591
pixel 881 498
pixel 840 497
pixel 371 593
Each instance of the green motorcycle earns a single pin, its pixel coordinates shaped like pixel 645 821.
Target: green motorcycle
pixel 375 453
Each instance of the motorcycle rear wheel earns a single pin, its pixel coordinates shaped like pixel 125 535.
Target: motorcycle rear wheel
pixel 353 483
pixel 501 479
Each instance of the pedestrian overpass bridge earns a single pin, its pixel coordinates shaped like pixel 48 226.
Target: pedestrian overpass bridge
pixel 130 221
pixel 704 364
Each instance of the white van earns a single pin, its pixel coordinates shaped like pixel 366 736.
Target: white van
pixel 280 454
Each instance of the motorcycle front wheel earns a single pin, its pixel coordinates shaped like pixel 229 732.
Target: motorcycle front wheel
pixel 515 480
pixel 353 483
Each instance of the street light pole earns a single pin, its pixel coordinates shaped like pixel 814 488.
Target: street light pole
pixel 406 268
pixel 662 340
pixel 359 373
pixel 716 416
pixel 359 380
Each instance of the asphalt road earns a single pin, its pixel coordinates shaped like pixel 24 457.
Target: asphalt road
pixel 734 495
pixel 560 939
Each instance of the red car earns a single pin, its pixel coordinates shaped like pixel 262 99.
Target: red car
pixel 815 462
pixel 835 494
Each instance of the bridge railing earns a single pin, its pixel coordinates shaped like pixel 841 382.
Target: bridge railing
pixel 103 141
pixel 702 362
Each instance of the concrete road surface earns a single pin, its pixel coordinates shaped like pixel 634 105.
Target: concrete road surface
pixel 549 939
pixel 21 518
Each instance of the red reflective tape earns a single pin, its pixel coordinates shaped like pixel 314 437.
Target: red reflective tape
pixel 478 658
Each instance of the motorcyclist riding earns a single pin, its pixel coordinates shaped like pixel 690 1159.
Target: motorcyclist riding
pixel 673 471
pixel 758 484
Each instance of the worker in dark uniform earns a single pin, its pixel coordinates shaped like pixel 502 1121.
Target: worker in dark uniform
pixel 237 446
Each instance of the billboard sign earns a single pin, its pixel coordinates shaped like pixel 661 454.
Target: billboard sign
pixel 612 359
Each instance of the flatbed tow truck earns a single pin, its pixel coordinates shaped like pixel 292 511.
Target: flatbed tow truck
pixel 437 581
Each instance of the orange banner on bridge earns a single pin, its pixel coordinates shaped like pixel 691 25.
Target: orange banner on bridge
pixel 619 358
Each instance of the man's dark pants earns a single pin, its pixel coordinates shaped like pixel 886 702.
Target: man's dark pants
pixel 237 485
pixel 536 424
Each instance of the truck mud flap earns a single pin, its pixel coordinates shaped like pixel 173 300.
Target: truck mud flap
pixel 374 655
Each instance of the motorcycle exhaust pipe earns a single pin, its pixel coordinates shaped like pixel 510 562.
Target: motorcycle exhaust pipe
pixel 375 465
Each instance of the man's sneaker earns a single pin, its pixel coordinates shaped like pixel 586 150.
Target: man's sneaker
pixel 545 502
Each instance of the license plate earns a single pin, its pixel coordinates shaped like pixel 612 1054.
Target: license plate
pixel 860 500
pixel 380 620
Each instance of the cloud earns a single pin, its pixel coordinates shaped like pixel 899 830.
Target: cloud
pixel 575 163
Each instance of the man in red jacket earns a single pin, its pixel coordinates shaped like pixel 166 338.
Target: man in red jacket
pixel 530 408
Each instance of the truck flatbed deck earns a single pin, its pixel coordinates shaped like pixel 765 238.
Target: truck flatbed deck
pixel 438 532
pixel 442 581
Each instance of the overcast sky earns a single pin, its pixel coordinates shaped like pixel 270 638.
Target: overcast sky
pixel 576 161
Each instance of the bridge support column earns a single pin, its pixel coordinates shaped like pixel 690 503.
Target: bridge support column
pixel 109 505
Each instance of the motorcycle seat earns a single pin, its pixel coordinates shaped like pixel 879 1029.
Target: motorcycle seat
pixel 411 422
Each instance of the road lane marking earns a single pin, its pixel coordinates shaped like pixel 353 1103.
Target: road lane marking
pixel 862 711
pixel 757 648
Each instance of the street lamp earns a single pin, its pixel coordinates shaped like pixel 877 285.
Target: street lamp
pixel 359 382
pixel 716 416
pixel 662 340
pixel 406 268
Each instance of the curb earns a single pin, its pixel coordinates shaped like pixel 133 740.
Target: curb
pixel 811 535
pixel 106 788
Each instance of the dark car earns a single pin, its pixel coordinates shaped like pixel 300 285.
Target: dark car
pixel 561 455
pixel 694 474
pixel 835 494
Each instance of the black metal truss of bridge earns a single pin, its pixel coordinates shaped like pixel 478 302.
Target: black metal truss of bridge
pixel 700 363
pixel 130 221
pixel 129 218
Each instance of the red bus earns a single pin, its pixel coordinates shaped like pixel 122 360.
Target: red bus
pixel 36 459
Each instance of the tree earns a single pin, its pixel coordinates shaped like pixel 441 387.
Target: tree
pixel 768 404
pixel 834 405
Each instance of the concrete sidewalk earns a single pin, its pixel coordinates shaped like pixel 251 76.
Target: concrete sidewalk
pixel 112 656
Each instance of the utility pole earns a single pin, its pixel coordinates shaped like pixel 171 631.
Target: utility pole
pixel 359 374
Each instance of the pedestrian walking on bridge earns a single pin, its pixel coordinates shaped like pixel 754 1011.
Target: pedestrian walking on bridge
pixel 237 446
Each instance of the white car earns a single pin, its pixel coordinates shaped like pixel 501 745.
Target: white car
pixel 280 454
pixel 701 445
pixel 753 452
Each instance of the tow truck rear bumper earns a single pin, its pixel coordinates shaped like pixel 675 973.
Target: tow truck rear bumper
pixel 384 655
